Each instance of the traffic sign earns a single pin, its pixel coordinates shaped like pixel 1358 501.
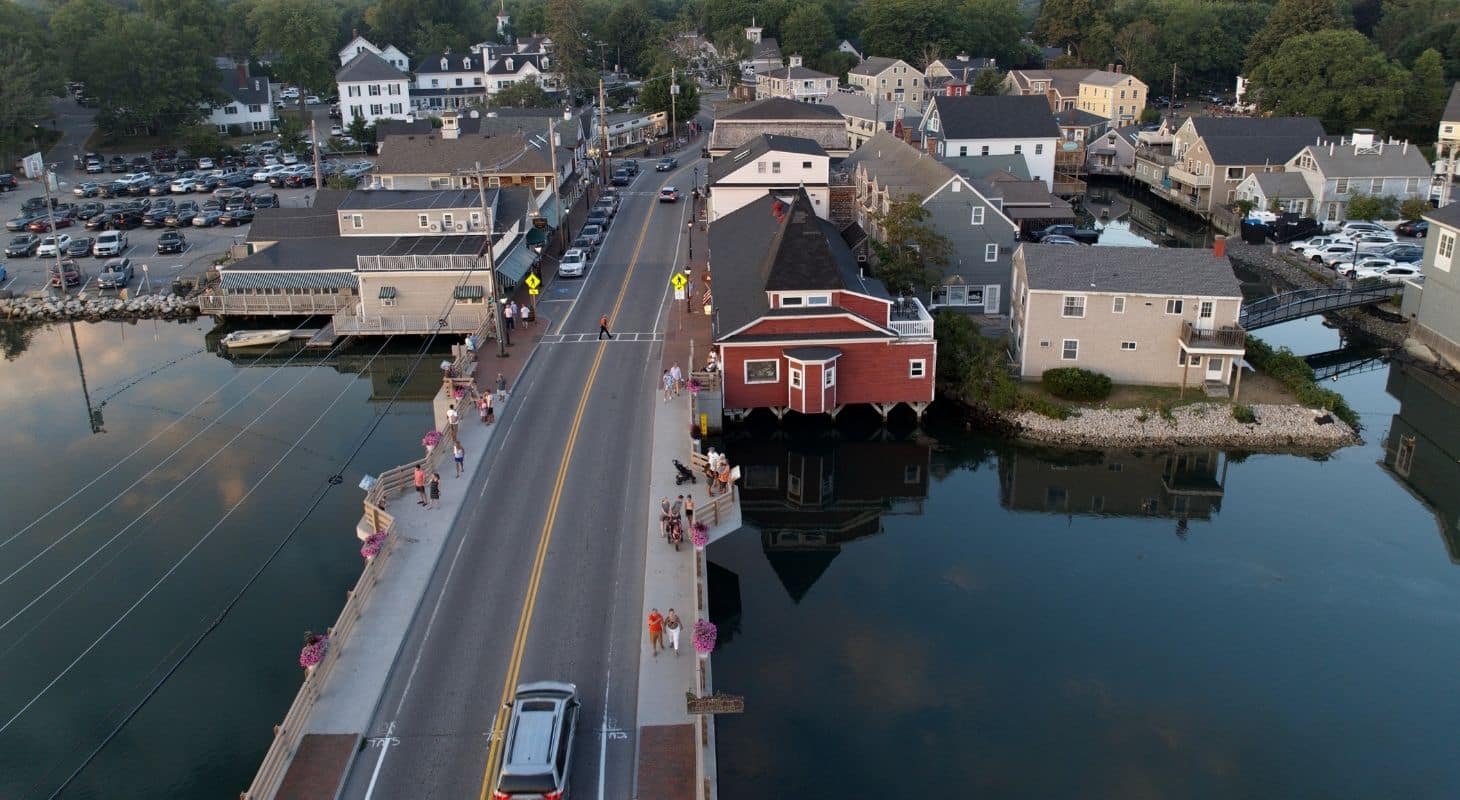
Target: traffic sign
pixel 532 292
pixel 532 281
pixel 679 294
pixel 678 281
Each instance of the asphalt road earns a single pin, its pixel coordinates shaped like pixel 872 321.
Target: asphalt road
pixel 566 483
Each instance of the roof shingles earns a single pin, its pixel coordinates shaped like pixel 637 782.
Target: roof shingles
pixel 1135 270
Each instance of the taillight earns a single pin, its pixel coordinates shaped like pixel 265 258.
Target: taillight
pixel 558 795
pixel 500 795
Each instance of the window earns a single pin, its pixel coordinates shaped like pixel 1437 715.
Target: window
pixel 1018 148
pixel 1376 186
pixel 1070 350
pixel 791 301
pixel 818 300
pixel 357 222
pixel 795 378
pixel 828 376
pixel 1235 173
pixel 1074 306
pixel 352 91
pixel 230 110
pixel 357 111
pixel 1175 306
pixel 374 90
pixel 763 371
pixel 494 182
pixel 1445 251
pixel 977 212
pixel 805 165
pixel 1038 149
pixel 1411 185
pixel 1117 306
pixel 1341 186
pixel 1182 359
pixel 917 367
pixel 435 83
pixel 775 167
pixel 990 252
pixel 423 220
pixel 447 221
pixel 539 182
pixel 963 150
pixel 1128 345
pixel 376 109
pixel 760 167
pixel 983 151
pixel 255 108
pixel 395 108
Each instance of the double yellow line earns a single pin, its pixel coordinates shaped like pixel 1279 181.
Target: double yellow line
pixel 519 643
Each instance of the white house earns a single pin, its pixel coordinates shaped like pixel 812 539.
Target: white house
pixel 506 68
pixel 448 80
pixel 360 44
pixel 371 89
pixel 770 163
pixel 1363 164
pixel 795 82
pixel 974 125
pixel 250 106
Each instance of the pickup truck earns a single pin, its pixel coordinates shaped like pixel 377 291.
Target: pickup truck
pixel 1081 235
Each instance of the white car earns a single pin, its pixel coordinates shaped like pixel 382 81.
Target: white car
pixel 268 172
pixel 1395 274
pixel 1316 241
pixel 206 163
pixel 1348 268
pixel 573 264
pixel 1361 225
pixel 1371 243
pixel 1336 254
pixel 336 130
pixel 52 245
pixel 290 93
pixel 1323 252
pixel 109 243
pixel 312 100
pixel 184 185
pixel 290 159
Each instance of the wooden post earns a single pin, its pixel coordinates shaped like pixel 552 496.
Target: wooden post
pixel 1237 388
pixel 1184 368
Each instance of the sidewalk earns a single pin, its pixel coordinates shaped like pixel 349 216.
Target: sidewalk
pixel 351 693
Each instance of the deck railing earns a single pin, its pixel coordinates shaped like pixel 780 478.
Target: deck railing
pixel 1227 337
pixel 217 302
pixel 910 319
pixel 348 323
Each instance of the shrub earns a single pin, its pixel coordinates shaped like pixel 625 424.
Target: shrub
pixel 1244 414
pixel 235 130
pixel 1294 373
pixel 1080 385
pixel 1045 408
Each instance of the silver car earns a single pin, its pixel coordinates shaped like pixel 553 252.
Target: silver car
pixel 538 752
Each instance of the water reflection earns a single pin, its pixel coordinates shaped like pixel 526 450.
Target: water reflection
pixel 1422 449
pixel 1140 215
pixel 1182 484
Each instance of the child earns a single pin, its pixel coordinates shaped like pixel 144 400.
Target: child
pixel 458 454
pixel 435 490
pixel 482 408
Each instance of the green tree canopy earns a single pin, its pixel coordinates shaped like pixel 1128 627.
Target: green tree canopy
pixel 910 250
pixel 157 75
pixel 522 94
pixel 566 26
pixel 654 96
pixel 1425 100
pixel 993 29
pixel 23 92
pixel 988 82
pixel 301 35
pixel 421 27
pixel 1338 76
pixel 629 30
pixel 808 31
pixel 1065 23
pixel 908 29
pixel 1290 18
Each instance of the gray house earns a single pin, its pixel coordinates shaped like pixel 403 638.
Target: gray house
pixel 977 279
pixel 1434 305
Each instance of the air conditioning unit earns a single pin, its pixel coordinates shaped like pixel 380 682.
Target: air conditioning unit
pixel 435 227
pixel 387 301
pixel 461 226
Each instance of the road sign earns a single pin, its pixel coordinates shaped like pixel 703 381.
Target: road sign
pixel 678 294
pixel 532 281
pixel 679 281
pixel 532 292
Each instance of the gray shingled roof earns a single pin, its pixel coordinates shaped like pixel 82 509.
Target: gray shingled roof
pixel 519 61
pixel 434 155
pixel 1387 161
pixel 411 200
pixel 455 62
pixel 898 166
pixel 872 66
pixel 779 108
pixel 367 66
pixel 277 224
pixel 796 74
pixel 1137 270
pixel 977 168
pixel 1237 141
pixel 247 89
pixel 857 104
pixel 759 146
pixel 1452 108
pixel 1074 117
pixel 767 48
pixel 1448 216
pixel 1283 184
pixel 999 117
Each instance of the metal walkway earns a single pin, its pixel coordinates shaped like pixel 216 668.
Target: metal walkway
pixel 1307 302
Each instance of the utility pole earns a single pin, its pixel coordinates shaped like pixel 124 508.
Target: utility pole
pixel 1172 105
pixel 498 299
pixel 603 160
pixel 673 103
pixel 314 143
pixel 557 190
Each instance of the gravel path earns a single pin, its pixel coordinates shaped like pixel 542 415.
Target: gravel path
pixel 1278 427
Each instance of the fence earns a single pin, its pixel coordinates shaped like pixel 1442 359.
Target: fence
pixel 348 323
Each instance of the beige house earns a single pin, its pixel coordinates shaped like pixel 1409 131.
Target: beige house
pixel 1152 316
pixel 445 158
pixel 1210 156
pixel 1109 93
pixel 890 81
pixel 795 82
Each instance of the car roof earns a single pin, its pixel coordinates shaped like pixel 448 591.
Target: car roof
pixel 573 253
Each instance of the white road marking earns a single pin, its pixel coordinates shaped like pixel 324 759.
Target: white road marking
pixel 384 742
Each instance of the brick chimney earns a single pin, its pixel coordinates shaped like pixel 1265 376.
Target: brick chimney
pixel 1219 247
pixel 242 69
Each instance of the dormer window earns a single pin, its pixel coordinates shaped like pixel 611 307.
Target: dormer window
pixel 443 64
pixel 466 63
pixel 509 65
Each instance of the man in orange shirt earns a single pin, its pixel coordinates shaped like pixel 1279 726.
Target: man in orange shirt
pixel 656 631
pixel 419 478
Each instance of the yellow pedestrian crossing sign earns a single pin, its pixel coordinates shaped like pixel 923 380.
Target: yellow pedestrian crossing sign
pixel 533 282
pixel 678 281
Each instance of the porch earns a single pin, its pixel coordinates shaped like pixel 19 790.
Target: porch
pixel 1212 357
pixel 910 319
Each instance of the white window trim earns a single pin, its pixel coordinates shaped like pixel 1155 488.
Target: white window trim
pixel 977 218
pixel 1063 348
pixel 423 220
pixel 917 368
pixel 745 368
pixel 990 252
pixel 1064 303
pixel 1117 305
pixel 1180 306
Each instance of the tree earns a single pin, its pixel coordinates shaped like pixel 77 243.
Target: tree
pixel 1370 207
pixel 158 76
pixel 972 366
pixel 910 250
pixel 988 82
pixel 1337 75
pixel 421 27
pixel 300 34
pixel 1064 23
pixel 522 94
pixel 200 140
pixel 22 101
pixel 628 29
pixel 361 131
pixel 1150 115
pixel 565 26
pixel 654 97
pixel 993 29
pixel 1292 18
pixel 1413 208
pixel 292 138
pixel 834 62
pixel 807 31
pixel 1425 100
pixel 902 28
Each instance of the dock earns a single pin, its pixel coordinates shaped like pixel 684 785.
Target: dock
pixel 324 338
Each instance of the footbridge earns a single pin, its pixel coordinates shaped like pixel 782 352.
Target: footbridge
pixel 1307 302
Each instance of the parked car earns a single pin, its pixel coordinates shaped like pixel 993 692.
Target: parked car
pixel 587 245
pixel 66 273
pixel 22 246
pixel 171 242
pixel 126 219
pixel 593 232
pixel 268 172
pixel 1403 252
pixel 95 166
pixel 52 245
pixel 161 186
pixel 182 216
pixel 608 202
pixel 621 177
pixel 111 243
pixel 596 217
pixel 1370 242
pixel 115 274
pixel 1315 241
pixel 631 165
pixel 34 204
pixel 206 163
pixel 1055 238
pixel 1081 235
pixel 573 264
pixel 298 180
pixel 89 210
pixel 666 164
pixel 80 247
pixel 1337 254
pixel 20 222
pixel 117 164
pixel 1394 274
pixel 1347 269
pixel 88 189
pixel 226 193
pixel 669 194
pixel 207 218
pixel 1417 228
pixel 42 224
pixel 265 200
pixel 538 756
pixel 241 216
pixel 157 217
pixel 1322 252
pixel 102 220
pixel 291 159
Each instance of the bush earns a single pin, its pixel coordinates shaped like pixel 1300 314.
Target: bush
pixel 1080 385
pixel 235 130
pixel 1293 372
pixel 1045 408
pixel 1244 414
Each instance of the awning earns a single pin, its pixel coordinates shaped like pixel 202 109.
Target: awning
pixel 550 209
pixel 537 237
pixel 469 292
pixel 387 293
pixel 301 279
pixel 516 263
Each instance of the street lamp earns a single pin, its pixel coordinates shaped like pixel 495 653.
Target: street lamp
pixel 690 237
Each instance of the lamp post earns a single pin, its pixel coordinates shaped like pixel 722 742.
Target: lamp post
pixel 690 237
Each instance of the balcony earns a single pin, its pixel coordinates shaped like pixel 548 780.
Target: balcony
pixel 1066 186
pixel 910 319
pixel 1160 156
pixel 1180 173
pixel 1226 339
pixel 348 323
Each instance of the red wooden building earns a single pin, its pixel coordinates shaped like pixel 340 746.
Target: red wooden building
pixel 800 327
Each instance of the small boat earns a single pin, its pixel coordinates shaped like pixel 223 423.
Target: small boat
pixel 239 339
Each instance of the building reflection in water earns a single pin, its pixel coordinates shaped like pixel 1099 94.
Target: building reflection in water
pixel 1422 448
pixel 1181 484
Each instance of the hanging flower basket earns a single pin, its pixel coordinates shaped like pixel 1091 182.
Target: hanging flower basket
pixel 431 439
pixel 699 533
pixel 704 637
pixel 373 545
pixel 459 393
pixel 315 646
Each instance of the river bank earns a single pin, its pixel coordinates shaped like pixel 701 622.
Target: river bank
pixel 1275 428
pixel 94 308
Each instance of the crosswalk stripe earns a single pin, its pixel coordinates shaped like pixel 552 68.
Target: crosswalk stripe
pixel 580 338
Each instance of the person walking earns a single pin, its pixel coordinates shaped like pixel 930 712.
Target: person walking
pixel 525 312
pixel 664 509
pixel 509 312
pixel 678 375
pixel 453 418
pixel 603 327
pixel 490 414
pixel 482 406
pixel 666 385
pixel 501 387
pixel 458 454
pixel 676 511
pixel 672 625
pixel 419 478
pixel 656 631
pixel 435 490
pixel 689 511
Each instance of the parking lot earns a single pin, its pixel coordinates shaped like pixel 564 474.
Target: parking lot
pixel 29 275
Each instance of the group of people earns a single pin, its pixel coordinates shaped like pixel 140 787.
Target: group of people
pixel 717 472
pixel 675 518
pixel 659 624
pixel 672 382
pixel 514 312
pixel 428 489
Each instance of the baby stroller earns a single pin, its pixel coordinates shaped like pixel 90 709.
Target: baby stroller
pixel 684 474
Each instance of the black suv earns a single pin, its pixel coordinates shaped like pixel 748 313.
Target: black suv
pixel 8 182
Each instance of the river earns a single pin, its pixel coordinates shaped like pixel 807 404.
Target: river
pixel 105 586
pixel 946 615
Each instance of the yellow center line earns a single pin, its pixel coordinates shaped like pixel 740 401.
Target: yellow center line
pixel 519 642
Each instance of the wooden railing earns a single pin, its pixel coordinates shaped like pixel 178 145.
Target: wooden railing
pixel 215 301
pixel 719 506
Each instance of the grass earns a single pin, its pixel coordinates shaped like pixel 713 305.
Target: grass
pixel 1152 398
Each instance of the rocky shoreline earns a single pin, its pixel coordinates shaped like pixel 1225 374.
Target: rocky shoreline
pixel 1278 428
pixel 93 308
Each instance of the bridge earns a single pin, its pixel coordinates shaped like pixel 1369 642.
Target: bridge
pixel 1307 302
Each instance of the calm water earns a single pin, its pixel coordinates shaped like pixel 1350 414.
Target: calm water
pixel 952 617
pixel 72 645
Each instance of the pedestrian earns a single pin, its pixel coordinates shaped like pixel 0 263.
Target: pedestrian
pixel 671 624
pixel 491 412
pixel 509 312
pixel 689 511
pixel 516 312
pixel 678 375
pixel 453 418
pixel 603 327
pixel 471 344
pixel 656 631
pixel 419 477
pixel 723 478
pixel 501 387
pixel 677 510
pixel 435 490
pixel 666 385
pixel 458 454
pixel 526 313
pixel 482 407
pixel 664 508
